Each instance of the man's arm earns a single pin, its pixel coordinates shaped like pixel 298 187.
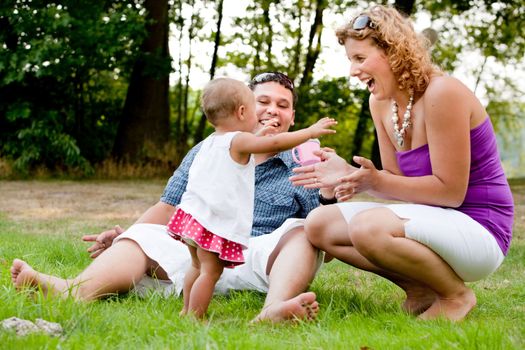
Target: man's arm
pixel 159 213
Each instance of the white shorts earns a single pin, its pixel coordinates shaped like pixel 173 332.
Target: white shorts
pixel 174 258
pixel 468 247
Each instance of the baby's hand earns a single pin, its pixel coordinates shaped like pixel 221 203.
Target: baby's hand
pixel 322 127
pixel 269 128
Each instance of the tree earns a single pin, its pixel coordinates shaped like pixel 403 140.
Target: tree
pixel 145 117
pixel 314 43
pixel 199 132
pixel 61 79
pixel 493 32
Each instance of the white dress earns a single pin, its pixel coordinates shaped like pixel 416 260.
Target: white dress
pixel 220 191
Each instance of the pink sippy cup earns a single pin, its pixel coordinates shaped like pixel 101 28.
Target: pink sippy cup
pixel 304 153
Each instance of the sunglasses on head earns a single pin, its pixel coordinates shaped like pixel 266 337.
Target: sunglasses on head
pixel 363 21
pixel 277 77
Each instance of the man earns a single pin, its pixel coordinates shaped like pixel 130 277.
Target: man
pixel 279 261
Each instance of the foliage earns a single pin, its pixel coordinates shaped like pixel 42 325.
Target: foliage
pixel 61 72
pixel 491 31
pixel 332 98
pixel 497 28
pixel 65 67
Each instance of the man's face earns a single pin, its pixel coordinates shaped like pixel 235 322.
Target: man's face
pixel 274 102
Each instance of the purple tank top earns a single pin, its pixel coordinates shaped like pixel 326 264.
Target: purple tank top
pixel 489 199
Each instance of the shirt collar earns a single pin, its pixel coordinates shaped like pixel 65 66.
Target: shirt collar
pixel 286 158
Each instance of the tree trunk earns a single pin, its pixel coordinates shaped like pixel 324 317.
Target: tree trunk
pixel 199 132
pixel 405 7
pixel 293 72
pixel 217 40
pixel 182 141
pixel 313 48
pixel 145 117
pixel 361 129
pixel 269 37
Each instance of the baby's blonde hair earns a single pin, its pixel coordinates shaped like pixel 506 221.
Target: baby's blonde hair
pixel 222 97
pixel 406 50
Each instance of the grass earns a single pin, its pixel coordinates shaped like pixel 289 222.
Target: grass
pixel 42 221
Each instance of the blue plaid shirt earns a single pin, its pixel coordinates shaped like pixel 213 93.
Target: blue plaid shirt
pixel 275 198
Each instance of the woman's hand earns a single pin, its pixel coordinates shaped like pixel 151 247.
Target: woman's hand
pixel 361 180
pixel 324 174
pixel 102 240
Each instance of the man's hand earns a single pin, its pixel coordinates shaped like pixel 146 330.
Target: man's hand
pixel 102 240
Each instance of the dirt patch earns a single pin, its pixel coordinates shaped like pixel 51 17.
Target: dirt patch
pixel 86 201
pixel 118 201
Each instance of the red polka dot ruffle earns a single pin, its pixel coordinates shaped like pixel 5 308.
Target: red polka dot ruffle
pixel 183 226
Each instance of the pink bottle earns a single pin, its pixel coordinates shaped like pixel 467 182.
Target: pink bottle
pixel 304 153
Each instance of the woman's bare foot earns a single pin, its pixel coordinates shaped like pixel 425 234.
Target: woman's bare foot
pixel 419 299
pixel 23 275
pixel 452 308
pixel 302 307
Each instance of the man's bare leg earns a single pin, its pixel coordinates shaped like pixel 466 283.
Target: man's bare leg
pixel 116 270
pixel 292 268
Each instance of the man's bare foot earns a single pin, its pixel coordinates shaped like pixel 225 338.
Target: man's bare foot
pixel 302 307
pixel 453 309
pixel 23 276
pixel 419 299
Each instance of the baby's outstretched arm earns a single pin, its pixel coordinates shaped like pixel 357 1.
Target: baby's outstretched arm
pixel 247 143
pixel 322 127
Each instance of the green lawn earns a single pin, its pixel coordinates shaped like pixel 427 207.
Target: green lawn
pixel 42 222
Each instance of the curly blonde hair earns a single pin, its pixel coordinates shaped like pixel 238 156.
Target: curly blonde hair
pixel 406 50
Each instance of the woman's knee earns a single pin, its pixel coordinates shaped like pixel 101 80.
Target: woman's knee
pixel 366 231
pixel 317 224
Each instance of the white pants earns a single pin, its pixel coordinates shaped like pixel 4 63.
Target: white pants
pixel 468 247
pixel 174 258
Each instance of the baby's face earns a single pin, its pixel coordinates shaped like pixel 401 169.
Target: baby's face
pixel 252 121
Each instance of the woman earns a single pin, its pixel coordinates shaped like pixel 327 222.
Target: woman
pixel 438 151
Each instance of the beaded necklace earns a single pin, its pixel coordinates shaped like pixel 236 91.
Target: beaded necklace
pixel 399 134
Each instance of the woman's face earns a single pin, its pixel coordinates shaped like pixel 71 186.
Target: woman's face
pixel 274 101
pixel 370 65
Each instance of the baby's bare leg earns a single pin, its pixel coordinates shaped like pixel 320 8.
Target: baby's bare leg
pixel 189 279
pixel 211 268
